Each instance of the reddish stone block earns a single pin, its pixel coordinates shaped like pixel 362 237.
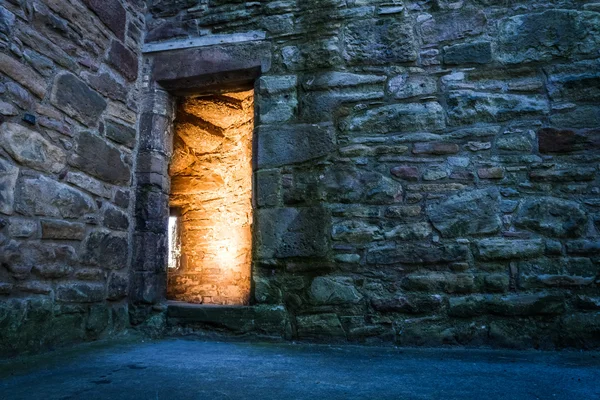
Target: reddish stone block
pixel 123 60
pixel 435 148
pixel 111 13
pixel 406 173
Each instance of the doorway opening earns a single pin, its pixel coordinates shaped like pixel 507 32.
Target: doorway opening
pixel 210 225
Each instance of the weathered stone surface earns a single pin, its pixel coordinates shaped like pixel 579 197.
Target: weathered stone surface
pixel 553 217
pixel 417 254
pixel 574 81
pixel 415 231
pixel 491 173
pixel 468 53
pixel 454 25
pixel 504 249
pixel 62 230
pixel 317 106
pixel 319 326
pixel 23 75
pixel 380 41
pixel 7 109
pixel 355 232
pixel 572 174
pixel 406 172
pixel 75 98
pixel 407 86
pixel 469 213
pixel 435 281
pixel 105 84
pixel 96 157
pixel 583 247
pixel 409 304
pixel 111 13
pixel 336 79
pixel 8 180
pixel 278 100
pixel 397 118
pixel 334 290
pixel 46 197
pixel 514 143
pixel 583 116
pixel 435 148
pixel 512 305
pixel 292 144
pixel 22 228
pixel 552 140
pixel 88 184
pixel 467 107
pixel 105 249
pixel 31 149
pixel 291 232
pixel 118 286
pixel 352 185
pixel 121 134
pixel 80 292
pixel 115 219
pixel 548 35
pixel 123 60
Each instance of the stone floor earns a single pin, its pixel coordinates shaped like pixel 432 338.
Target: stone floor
pixel 187 369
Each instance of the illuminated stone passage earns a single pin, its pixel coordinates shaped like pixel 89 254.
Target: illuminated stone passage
pixel 211 195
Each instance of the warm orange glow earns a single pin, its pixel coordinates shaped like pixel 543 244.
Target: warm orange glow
pixel 211 184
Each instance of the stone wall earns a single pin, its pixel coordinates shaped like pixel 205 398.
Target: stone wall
pixel 65 176
pixel 427 171
pixel 211 186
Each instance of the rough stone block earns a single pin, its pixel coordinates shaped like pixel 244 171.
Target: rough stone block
pixel 105 249
pixel 291 232
pixel 31 149
pixel 23 74
pixel 75 98
pixel 468 107
pixel 292 144
pixel 118 286
pixel 553 140
pixel 379 41
pixel 397 118
pixel 111 13
pixel 123 60
pixel 547 35
pixel 62 230
pixel 121 134
pixel 319 326
pixel 334 290
pixel 468 213
pixel 97 158
pixel 80 292
pixel 506 249
pixel 468 53
pixel 352 185
pixel 46 197
pixel 406 253
pixel 150 251
pixel 553 217
pixel 8 181
pixel 409 304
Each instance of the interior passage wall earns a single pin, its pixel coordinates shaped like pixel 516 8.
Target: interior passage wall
pixel 427 170
pixel 71 68
pixel 211 185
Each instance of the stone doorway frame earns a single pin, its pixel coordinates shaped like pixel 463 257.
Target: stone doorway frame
pixel 167 75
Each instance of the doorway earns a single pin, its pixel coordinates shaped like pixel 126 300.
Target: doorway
pixel 210 224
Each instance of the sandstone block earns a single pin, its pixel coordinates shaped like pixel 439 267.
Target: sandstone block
pixel 31 149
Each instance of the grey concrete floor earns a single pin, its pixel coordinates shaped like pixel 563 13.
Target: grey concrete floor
pixel 187 369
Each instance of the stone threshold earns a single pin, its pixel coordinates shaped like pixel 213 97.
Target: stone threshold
pixel 269 320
